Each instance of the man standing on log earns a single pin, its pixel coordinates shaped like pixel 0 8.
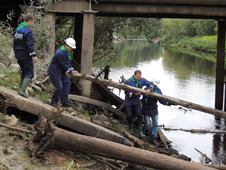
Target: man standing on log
pixel 132 100
pixel 58 72
pixel 23 46
pixel 150 109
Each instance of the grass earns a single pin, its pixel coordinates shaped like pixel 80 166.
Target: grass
pixel 12 81
pixel 197 46
pixel 117 126
pixel 86 113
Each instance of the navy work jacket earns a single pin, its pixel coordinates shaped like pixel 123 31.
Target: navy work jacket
pixel 23 43
pixel 60 65
pixel 130 97
pixel 149 104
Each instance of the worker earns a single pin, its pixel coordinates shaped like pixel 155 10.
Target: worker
pixel 150 110
pixel 23 46
pixel 132 100
pixel 59 70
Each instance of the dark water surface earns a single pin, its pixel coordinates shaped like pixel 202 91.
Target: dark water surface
pixel 182 76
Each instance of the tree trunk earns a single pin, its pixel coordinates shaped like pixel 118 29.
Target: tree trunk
pixel 198 130
pixel 156 95
pixel 35 107
pixel 54 137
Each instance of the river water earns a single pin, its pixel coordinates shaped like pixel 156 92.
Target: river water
pixel 181 76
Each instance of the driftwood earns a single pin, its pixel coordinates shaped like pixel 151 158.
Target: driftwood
pixel 204 155
pixel 52 137
pixel 156 95
pixel 198 130
pixel 16 128
pixel 97 103
pixel 35 107
pixel 220 167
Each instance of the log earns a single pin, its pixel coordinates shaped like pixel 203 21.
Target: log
pixel 57 138
pixel 198 130
pixel 16 128
pixel 35 107
pixel 97 103
pixel 204 155
pixel 156 95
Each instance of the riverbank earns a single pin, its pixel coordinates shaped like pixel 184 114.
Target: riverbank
pixel 204 47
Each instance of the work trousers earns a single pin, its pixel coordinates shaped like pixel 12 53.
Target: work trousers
pixel 134 108
pixel 62 86
pixel 27 68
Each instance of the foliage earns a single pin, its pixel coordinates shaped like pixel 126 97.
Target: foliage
pixel 6 32
pixel 180 28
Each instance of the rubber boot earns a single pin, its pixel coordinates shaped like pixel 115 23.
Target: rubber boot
pixel 131 128
pixel 21 81
pixel 155 141
pixel 141 135
pixel 24 85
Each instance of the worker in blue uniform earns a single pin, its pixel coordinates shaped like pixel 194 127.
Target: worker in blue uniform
pixel 132 100
pixel 23 46
pixel 59 70
pixel 150 110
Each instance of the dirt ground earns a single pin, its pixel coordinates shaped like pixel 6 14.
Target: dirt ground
pixel 16 147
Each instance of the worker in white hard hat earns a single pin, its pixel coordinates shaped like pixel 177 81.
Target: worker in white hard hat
pixel 59 70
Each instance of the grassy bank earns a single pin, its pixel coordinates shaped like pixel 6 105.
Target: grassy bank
pixel 206 44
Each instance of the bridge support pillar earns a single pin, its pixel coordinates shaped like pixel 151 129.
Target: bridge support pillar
pixel 219 90
pixel 87 50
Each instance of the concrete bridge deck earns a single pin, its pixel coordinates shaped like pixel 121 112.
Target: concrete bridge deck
pixel 147 8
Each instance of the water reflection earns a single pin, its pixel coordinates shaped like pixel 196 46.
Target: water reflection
pixel 182 76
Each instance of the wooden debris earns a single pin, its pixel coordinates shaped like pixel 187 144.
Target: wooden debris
pixel 16 128
pixel 87 100
pixel 197 130
pixel 53 137
pixel 35 107
pixel 156 95
pixel 204 155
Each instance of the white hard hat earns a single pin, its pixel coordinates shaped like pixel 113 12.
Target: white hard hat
pixel 156 81
pixel 71 43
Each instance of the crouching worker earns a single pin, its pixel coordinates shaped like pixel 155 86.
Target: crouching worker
pixel 23 46
pixel 150 109
pixel 132 100
pixel 58 72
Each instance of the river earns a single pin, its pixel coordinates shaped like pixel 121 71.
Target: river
pixel 182 76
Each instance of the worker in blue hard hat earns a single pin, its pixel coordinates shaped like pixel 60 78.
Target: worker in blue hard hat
pixel 59 70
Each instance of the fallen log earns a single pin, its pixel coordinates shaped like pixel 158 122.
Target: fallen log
pixel 197 130
pixel 204 155
pixel 16 128
pixel 156 95
pixel 35 107
pixel 97 103
pixel 53 137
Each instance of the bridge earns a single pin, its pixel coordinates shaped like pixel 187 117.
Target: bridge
pixel 84 12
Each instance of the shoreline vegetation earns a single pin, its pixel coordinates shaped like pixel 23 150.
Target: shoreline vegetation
pixel 203 46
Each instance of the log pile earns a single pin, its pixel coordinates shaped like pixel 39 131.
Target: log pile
pixel 49 137
pixel 35 107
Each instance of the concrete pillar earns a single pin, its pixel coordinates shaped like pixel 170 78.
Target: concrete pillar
pixel 219 91
pixel 87 50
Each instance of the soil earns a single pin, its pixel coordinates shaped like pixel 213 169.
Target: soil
pixel 16 147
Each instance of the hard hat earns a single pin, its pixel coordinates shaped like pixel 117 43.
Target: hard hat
pixel 71 43
pixel 156 81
